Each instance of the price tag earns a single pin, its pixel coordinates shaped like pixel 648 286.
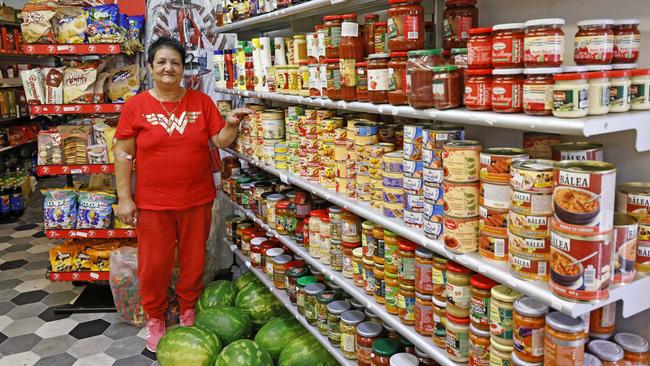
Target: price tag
pixel 81 234
pixel 233 247
pixel 246 94
pixel 94 275
pixel 337 1
pixel 380 110
pixel 76 171
pixel 342 105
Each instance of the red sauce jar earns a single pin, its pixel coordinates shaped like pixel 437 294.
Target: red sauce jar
pixel 378 83
pixel 478 90
pixel 479 48
pixel 594 42
pixel 332 24
pixel 538 90
pixel 446 87
pixel 508 45
pixel 544 43
pixel 379 36
pixel 367 333
pixel 458 18
pixel 507 90
pixel 351 51
pixel 419 77
pixel 397 79
pixel 369 32
pixel 627 41
pixel 362 81
pixel 333 79
pixel 405 25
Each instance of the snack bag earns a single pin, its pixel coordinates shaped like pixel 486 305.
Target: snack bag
pixel 79 84
pixel 72 24
pixel 103 24
pixel 124 83
pixel 119 224
pixel 95 210
pixel 97 154
pixel 50 150
pixel 60 208
pixel 62 256
pixel 99 95
pixel 37 24
pixel 53 85
pixel 82 260
pixel 33 85
pixel 133 42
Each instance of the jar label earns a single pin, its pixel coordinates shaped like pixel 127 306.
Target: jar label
pixel 380 42
pixel 406 305
pixel 392 28
pixel 320 44
pixel 627 46
pixel 457 344
pixel 538 97
pixel 348 72
pixel 423 278
pixel 349 229
pixel 256 259
pixel 479 52
pixel 349 29
pixel 438 89
pixel 391 293
pixel 555 354
pixel 500 322
pixel 348 343
pixel 333 37
pixel 369 281
pixel 479 308
pixel 590 49
pixel 348 269
pixel 362 80
pixel 508 52
pixel 314 81
pixel 423 318
pixel 391 256
pixel 570 100
pixel 380 288
pixel 529 340
pixel 324 80
pixel 543 49
pixel 618 96
pixel 478 94
pixel 507 96
pixel 439 282
pixel 333 79
pixel 479 354
pixel 411 26
pixel 638 94
pixel 407 268
pixel 380 248
pixel 458 295
pixel 369 243
pixel 456 28
pixel 439 329
pixel 378 79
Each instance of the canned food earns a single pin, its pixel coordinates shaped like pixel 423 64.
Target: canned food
pixel 461 199
pixel 273 124
pixel 539 144
pixel 328 128
pixel 460 160
pixel 280 148
pixel 494 195
pixel 414 185
pixel 493 246
pixel 393 195
pixel 311 131
pixel 311 114
pixel 326 151
pixel 529 225
pixel 495 162
pixel 643 257
pixel 461 234
pixel 312 145
pixel 432 158
pixel 281 165
pixel 313 158
pixel 340 136
pixel 438 136
pixel 493 221
pixel 328 176
pixel 412 151
pixel 377 184
pixel 341 185
pixel 528 203
pixel 432 209
pixel 625 248
pixel 413 168
pixel 433 192
pixel 312 172
pixel 527 267
pixel 532 247
pixel 322 114
pixel 393 210
pixel 433 227
pixel 583 197
pixel 413 134
pixel 634 199
pixel 413 219
pixel 340 153
pixel 387 133
pixel 413 202
pixel 280 157
pixel 365 129
pixel 393 180
pixel 535 175
pixel 433 175
pixel 582 150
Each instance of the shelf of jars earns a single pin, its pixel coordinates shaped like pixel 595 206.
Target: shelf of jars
pixel 423 343
pixel 588 126
pixel 284 299
pixel 498 271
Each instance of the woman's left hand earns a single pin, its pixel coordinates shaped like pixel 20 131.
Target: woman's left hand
pixel 236 116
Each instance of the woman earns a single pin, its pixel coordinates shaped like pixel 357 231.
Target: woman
pixel 168 129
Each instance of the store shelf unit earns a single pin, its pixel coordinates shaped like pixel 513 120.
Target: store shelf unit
pixel 589 126
pixel 498 271
pixel 79 276
pixel 91 233
pixel 49 109
pixel 7 148
pixel 11 83
pixel 43 170
pixel 423 343
pixel 71 49
pixel 284 299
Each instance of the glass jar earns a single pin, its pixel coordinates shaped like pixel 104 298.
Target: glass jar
pixel 419 77
pixel 479 48
pixel 351 51
pixel 407 261
pixel 333 36
pixel 380 284
pixel 368 276
pixel 405 25
pixel 362 81
pixel 378 78
pixel 314 233
pixel 368 242
pixel 423 316
pixel 528 325
pixel 367 333
pixel 282 217
pixel 349 321
pixel 357 273
pixel 458 290
pixel 336 217
pixel 397 78
pixel 446 87
pixel 351 227
pixel 391 254
pixel 303 239
pixel 271 254
pixel 639 91
pixel 439 275
pixel 619 91
pixel 256 251
pixel 478 90
pixel 507 90
pixel 336 255
pixel 279 267
pixel 382 350
pixel 500 354
pixel 323 299
pixel 458 18
pixel 627 41
pixel 594 42
pixel 374 317
pixel 571 95
pixel 544 43
pixel 325 232
pixel 263 255
pixel 406 345
pixel 311 291
pixel 479 313
pixel 333 79
pixel 406 304
pixel 602 322
pixel 538 90
pixel 564 340
pixel 423 274
pixel 391 292
pixel 303 78
pixel 378 235
pixel 369 32
pixel 457 338
pixel 334 311
pixel 300 294
pixel 270 207
pixel 292 275
pixel 479 346
pixel 380 41
pixel 508 45
pixel 501 317
pixel 635 348
pixel 610 353
pixel 348 259
pixel 439 323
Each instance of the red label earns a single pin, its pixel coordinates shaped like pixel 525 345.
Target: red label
pixel 479 53
pixel 507 96
pixel 625 253
pixel 464 25
pixel 508 50
pixel 412 27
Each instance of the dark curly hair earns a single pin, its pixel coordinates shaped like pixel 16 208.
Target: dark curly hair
pixel 165 42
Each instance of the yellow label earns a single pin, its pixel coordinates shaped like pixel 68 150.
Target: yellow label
pixel 348 70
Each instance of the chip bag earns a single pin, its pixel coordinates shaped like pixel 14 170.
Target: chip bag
pixel 95 210
pixel 124 83
pixel 33 85
pixel 72 23
pixel 103 24
pixel 100 87
pixel 37 24
pixel 83 260
pixel 62 257
pixel 79 84
pixel 53 85
pixel 60 208
pixel 133 42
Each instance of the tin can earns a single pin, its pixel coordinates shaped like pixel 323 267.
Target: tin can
pixel 340 135
pixel 538 144
pixel 328 128
pixel 393 195
pixel 341 185
pixel 461 199
pixel 496 161
pixel 634 199
pixel 433 209
pixel 312 145
pixel 365 129
pixel 326 151
pixel 438 136
pixel 529 225
pixel 536 204
pixel 643 257
pixel 393 180
pixel 625 248
pixel 534 175
pixel 311 131
pixel 527 267
pixel 433 175
pixel 493 221
pixel 413 202
pixel 313 157
pixel 322 114
pixel 281 165
pixel 493 246
pixel 412 151
pixel 432 158
pixel 583 196
pixel 413 219
pixel 532 247
pixel 460 160
pixel 393 210
pixel 582 150
pixel 312 172
pixel 392 162
pixel 461 234
pixel 413 133
pixel 413 168
pixel 412 185
pixel 433 228
pixel 433 192
pixel 340 153
pixel 328 176
pixel 377 183
pixel 494 195
pixel 280 157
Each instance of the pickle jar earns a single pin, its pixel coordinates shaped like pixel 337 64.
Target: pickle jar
pixel 334 311
pixel 423 275
pixel 323 299
pixel 349 321
pixel 391 292
pixel 282 217
pixel 336 220
pixel 407 262
pixel 383 349
pixel 271 254
pixel 279 268
pixel 458 290
pixel 336 255
pixel 291 286
pixel 479 313
pixel 501 314
pixel 311 291
pixel 300 296
pixel 367 333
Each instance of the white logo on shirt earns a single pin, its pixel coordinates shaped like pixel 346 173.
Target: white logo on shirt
pixel 173 123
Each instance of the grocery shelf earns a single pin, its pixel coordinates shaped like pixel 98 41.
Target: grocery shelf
pixel 91 233
pixel 498 271
pixel 79 276
pixel 588 126
pixel 6 148
pixel 48 109
pixel 284 299
pixel 423 343
pixel 72 49
pixel 11 83
pixel 43 170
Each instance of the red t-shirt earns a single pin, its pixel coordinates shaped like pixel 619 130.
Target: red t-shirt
pixel 173 169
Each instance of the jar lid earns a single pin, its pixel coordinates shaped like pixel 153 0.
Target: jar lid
pixel 282 259
pixel 297 272
pixel 479 332
pixel 369 329
pixel 388 232
pixel 381 24
pixel 314 288
pixel 420 353
pixel 352 317
pixel 303 62
pixel 315 271
pixel 508 26
pixel 350 245
pixel 403 1
pixel 453 319
pixel 640 72
pixel 324 218
pixel 371 16
pixel 385 347
pixel 528 306
pixel 418 53
pixel 334 209
pixel 501 347
pixel 505 293
pixel 482 282
pixel 565 323
pixel 275 197
pixel 576 76
pixel 476 72
pixel 368 225
pixel 480 30
pixel 631 342
pixel 331 17
pixel 624 66
pixel 515 71
pixel 306 280
pixel 422 296
pixel 282 204
pixel 243 179
pixel 458 51
pixel 405 287
pixel 444 68
pixel 423 252
pixel 516 361
pixel 274 252
pixel 349 16
pixel 547 21
pixel 391 275
pixel 598 67
pixel 619 73
pixel 262 184
pixel 356 303
pixel 460 2
pixel 332 60
pixel 591 360
pixel 404 359
pixel 606 350
pixel 440 304
pixel 455 267
pixel 573 68
pixel 627 22
pixel 398 54
pixel 598 75
pixel 378 55
pixel 358 252
pixel 587 22
pixel 368 262
pixel 338 307
pixel 362 64
pixel 257 241
pixel 542 70
pixel 316 213
pixel 407 245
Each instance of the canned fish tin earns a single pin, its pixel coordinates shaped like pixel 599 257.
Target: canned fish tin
pixel 493 246
pixel 583 196
pixel 432 158
pixel 539 144
pixel 392 162
pixel 634 199
pixel 625 248
pixel 532 247
pixel 460 160
pixel 433 175
pixel 413 133
pixel 496 161
pixel 413 202
pixel 493 221
pixel 413 169
pixel 535 175
pixel 312 145
pixel 413 219
pixel 438 136
pixel 582 150
pixel 528 268
pixel 433 192
pixel 433 227
pixel 461 199
pixel 311 131
pixel 580 265
pixel 433 209
pixel 412 151
pixel 529 225
pixel 393 195
pixel 393 180
pixel 461 234
pixel 393 210
pixel 494 195
pixel 537 204
pixel 643 257
pixel 413 185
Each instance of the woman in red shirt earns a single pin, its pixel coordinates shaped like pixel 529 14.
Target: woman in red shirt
pixel 168 130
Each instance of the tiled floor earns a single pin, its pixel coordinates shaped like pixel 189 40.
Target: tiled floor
pixel 30 332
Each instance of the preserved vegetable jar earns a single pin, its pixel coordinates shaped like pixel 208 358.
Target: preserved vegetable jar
pixel 333 79
pixel 349 321
pixel 544 43
pixel 382 350
pixel 439 323
pixel 369 32
pixel 627 41
pixel 478 90
pixel 457 338
pixel 279 268
pixel 446 87
pixel 507 90
pixel 256 251
pixel 501 308
pixel 300 296
pixel 419 77
pixel 351 227
pixel 619 90
pixel 333 35
pixel 282 217
pixel 528 325
pixel 458 18
pixel 602 322
pixel 362 81
pixel 564 340
pixel 397 79
pixel 351 51
pixel 571 95
pixel 479 313
pixel 334 311
pixel 348 259
pixel 378 83
pixel 479 346
pixel 458 290
pixel 406 304
pixel 479 48
pixel 635 348
pixel 405 25
pixel 311 291
pixel 423 274
pixel 323 300
pixel 336 220
pixel 367 333
pixel 610 353
pixel 508 45
pixel 423 314
pixel 538 90
pixel 407 262
pixel 291 277
pixel 358 266
pixel 500 354
pixel 594 42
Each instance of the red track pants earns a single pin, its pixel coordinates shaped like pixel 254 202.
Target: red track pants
pixel 158 232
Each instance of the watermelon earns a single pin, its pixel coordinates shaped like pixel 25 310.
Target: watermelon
pixel 259 303
pixel 277 333
pixel 245 279
pixel 188 346
pixel 306 351
pixel 217 293
pixel 243 352
pixel 227 322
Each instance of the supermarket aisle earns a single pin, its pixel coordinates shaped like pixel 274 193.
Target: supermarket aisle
pixel 30 332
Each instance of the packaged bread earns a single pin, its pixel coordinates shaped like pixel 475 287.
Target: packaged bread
pixel 37 23
pixel 33 85
pixel 53 77
pixel 79 84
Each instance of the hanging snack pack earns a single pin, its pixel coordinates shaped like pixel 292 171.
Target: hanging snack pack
pixel 133 42
pixel 124 83
pixel 37 24
pixel 71 24
pixel 95 210
pixel 103 24
pixel 53 85
pixel 60 208
pixel 33 85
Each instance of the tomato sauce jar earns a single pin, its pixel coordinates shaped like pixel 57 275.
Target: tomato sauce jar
pixel 544 43
pixel 635 348
pixel 458 18
pixel 362 81
pixel 479 48
pixel 405 25
pixel 478 89
pixel 378 83
pixel 538 90
pixel 594 42
pixel 508 45
pixel 333 90
pixel 419 78
pixel 397 79
pixel 627 41
pixel 446 87
pixel 507 90
pixel 332 25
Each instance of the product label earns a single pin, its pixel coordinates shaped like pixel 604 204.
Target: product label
pixel 407 268
pixel 507 52
pixel 348 72
pixel 411 26
pixel 590 49
pixel 478 94
pixel 380 42
pixel 378 80
pixel 333 37
pixel 320 44
pixel 362 81
pixel 406 305
pixel 496 196
pixel 638 94
pixel 479 52
pixel 501 322
pixel 457 343
pixel 461 165
pixel 543 49
pixel 458 295
pixel 571 100
pixel 627 46
pixel 505 96
pixel 392 27
pixel 349 29
pixel 619 96
pixel 538 97
pixel 334 79
pixel 478 310
pixel 529 340
pixel 348 343
pixel 461 200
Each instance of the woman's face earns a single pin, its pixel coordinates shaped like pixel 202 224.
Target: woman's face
pixel 167 68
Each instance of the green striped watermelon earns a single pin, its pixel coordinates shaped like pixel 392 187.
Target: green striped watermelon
pixel 227 322
pixel 217 293
pixel 182 346
pixel 277 333
pixel 245 279
pixel 243 352
pixel 306 351
pixel 259 303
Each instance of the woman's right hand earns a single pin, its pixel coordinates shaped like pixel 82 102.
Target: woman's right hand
pixel 127 212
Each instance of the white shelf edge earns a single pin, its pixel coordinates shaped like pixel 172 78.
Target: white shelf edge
pixel 7 148
pixel 423 343
pixel 284 299
pixel 498 271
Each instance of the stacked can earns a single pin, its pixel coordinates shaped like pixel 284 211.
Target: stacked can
pixel 413 172
pixel 366 134
pixel 326 137
pixel 341 158
pixel 351 162
pixel 529 218
pixel 634 199
pixel 293 137
pixel 377 153
pixel 272 132
pixel 392 182
pixel 434 139
pixel 281 157
pixel 254 125
pixel 311 169
pixel 461 167
pixel 494 200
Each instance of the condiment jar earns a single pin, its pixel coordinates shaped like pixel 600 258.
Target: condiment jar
pixel 508 45
pixel 369 32
pixel 479 313
pixel 311 291
pixel 391 254
pixel 459 17
pixel 271 254
pixel 439 334
pixel 279 267
pixel 349 321
pixel 446 87
pixel 500 354
pixel 291 277
pixel 407 261
pixel 332 25
pixel 564 340
pixel 378 235
pixel 358 267
pixel 478 90
pixel 380 284
pixel 528 324
pixel 335 309
pixel 333 91
pixel 501 317
pixel 439 276
pixel 300 296
pixel 369 276
pixel 640 90
pixel 406 304
pixel 336 220
pixel 635 347
pixel 627 41
pixel 351 228
pixel 571 95
pixel 479 346
pixel 323 299
pixel 348 259
pixel 619 90
pixel 378 81
pixel 397 79
pixel 457 338
pixel 507 90
pixel 382 350
pixel 458 58
pixel 391 292
pixel 351 51
pixel 256 251
pixel 594 42
pixel 282 217
pixel 423 267
pixel 423 314
pixel 419 76
pixel 314 233
pixel 405 25
pixel 362 81
pixel 405 359
pixel 610 353
pixel 544 43
pixel 599 86
pixel 368 242
pixel 602 322
pixel 367 333
pixel 538 90
pixel 458 290
pixel 336 255
pixel 479 48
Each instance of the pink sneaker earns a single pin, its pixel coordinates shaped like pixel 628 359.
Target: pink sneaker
pixel 155 331
pixel 188 317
